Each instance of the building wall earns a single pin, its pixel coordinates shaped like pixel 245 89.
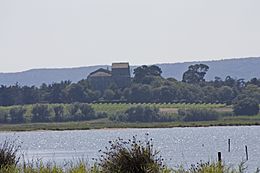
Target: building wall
pixel 121 76
pixel 100 83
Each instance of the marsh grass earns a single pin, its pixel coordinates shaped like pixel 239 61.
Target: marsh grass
pixel 82 167
pixel 8 154
pixel 213 167
pixel 131 156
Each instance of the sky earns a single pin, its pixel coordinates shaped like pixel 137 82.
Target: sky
pixel 73 33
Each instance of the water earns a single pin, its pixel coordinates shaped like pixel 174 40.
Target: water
pixel 179 146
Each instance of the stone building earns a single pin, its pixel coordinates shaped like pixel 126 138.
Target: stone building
pixel 119 75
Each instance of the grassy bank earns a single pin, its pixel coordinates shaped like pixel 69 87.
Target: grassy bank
pixel 104 123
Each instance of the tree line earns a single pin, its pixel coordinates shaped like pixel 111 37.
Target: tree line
pixel 49 113
pixel 146 86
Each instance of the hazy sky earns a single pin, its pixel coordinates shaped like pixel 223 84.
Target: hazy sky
pixel 69 33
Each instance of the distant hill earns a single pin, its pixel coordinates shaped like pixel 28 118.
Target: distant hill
pixel 245 68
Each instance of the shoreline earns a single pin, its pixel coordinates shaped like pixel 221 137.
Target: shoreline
pixel 86 125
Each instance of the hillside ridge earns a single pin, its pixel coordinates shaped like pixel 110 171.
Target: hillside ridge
pixel 245 68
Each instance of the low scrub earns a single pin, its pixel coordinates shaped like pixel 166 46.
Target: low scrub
pixel 141 114
pixel 137 114
pixel 214 167
pixel 198 114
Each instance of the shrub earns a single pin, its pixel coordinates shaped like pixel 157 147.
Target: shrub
pixel 131 156
pixel 17 114
pixel 81 111
pixel 41 113
pixel 59 113
pixel 213 167
pixel 196 114
pixel 8 154
pixel 246 106
pixel 3 116
pixel 138 114
pixel 101 115
pixel 87 112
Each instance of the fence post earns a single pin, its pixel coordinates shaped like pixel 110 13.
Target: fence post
pixel 246 153
pixel 219 157
pixel 228 145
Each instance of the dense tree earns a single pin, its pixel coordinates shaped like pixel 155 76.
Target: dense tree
pixel 29 95
pixel 195 73
pixel 167 94
pixel 76 93
pixel 246 106
pixel 109 94
pixel 57 92
pixel 146 74
pixel 140 93
pixel 226 94
pixel 8 95
pixel 210 94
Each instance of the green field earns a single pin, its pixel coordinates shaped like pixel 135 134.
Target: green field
pixel 113 108
pixel 120 107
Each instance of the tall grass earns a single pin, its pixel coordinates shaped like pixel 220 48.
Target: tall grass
pixel 8 154
pixel 131 156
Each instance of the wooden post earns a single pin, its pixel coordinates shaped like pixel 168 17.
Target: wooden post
pixel 219 156
pixel 246 153
pixel 228 145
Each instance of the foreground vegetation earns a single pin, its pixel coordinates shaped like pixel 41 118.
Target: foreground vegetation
pixel 82 167
pixel 123 156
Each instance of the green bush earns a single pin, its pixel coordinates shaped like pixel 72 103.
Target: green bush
pixel 131 156
pixel 17 114
pixel 246 106
pixel 41 113
pixel 59 113
pixel 87 111
pixel 3 116
pixel 138 114
pixel 198 114
pixel 81 111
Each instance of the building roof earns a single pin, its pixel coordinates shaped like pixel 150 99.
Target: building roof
pixel 100 73
pixel 120 65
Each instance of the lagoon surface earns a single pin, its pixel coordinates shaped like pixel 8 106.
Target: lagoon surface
pixel 179 146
